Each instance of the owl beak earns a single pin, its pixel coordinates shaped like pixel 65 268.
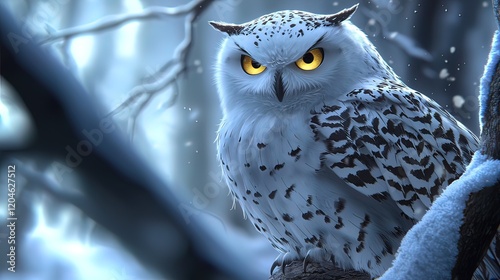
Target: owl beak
pixel 279 89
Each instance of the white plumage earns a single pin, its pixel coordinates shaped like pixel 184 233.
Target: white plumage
pixel 330 155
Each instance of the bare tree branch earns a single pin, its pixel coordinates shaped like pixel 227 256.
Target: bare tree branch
pixel 165 77
pixel 117 20
pixel 169 72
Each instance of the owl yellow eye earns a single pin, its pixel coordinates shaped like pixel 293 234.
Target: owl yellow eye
pixel 250 66
pixel 311 60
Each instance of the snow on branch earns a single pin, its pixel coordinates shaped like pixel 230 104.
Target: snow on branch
pixel 166 77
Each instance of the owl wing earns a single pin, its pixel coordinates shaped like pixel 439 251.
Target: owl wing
pixel 393 142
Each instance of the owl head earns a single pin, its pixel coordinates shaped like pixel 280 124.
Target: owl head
pixel 289 59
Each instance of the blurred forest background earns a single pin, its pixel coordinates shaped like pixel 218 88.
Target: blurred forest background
pixel 151 69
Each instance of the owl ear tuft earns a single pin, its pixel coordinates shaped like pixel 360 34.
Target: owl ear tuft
pixel 229 28
pixel 339 17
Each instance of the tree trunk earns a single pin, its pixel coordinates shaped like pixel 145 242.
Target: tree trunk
pixel 482 214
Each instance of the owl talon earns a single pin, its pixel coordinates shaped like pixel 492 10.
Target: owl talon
pixel 286 261
pixel 307 261
pixel 276 263
pixel 282 261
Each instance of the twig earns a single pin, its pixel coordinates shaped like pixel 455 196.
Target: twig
pixel 168 73
pixel 136 114
pixel 117 20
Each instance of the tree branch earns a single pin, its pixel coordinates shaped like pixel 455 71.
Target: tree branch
pixel 320 271
pixel 168 73
pixel 166 76
pixel 117 20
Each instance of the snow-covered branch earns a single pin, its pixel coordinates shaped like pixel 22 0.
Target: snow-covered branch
pixel 429 250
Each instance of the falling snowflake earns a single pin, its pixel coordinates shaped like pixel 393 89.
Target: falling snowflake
pixel 458 101
pixel 443 74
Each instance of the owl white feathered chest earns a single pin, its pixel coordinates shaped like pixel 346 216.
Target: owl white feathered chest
pixel 330 155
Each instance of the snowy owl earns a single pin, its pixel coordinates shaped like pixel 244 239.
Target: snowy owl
pixel 328 152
